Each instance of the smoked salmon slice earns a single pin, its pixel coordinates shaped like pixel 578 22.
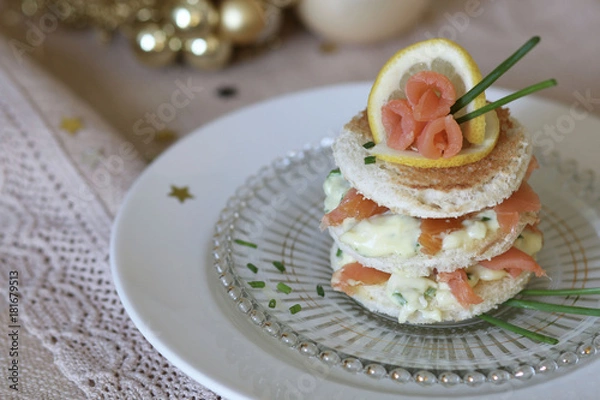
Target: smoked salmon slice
pixel 347 278
pixel 353 205
pixel 430 94
pixel 460 288
pixel 441 137
pixel 400 125
pixel 523 200
pixel 514 261
pixel 432 231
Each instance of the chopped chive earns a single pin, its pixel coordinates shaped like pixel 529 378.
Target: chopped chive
pixel 338 253
pixel 244 243
pixel 320 291
pixel 399 298
pixel 282 287
pixel 252 267
pixel 507 99
pixel 370 160
pixel 494 75
pixel 256 284
pixel 560 292
pixel 484 219
pixel 518 330
pixel 369 145
pixel 272 303
pixel 549 307
pixel 295 308
pixel 334 172
pixel 430 292
pixel 279 265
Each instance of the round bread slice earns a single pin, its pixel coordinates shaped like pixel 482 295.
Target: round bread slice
pixel 435 192
pixel 493 293
pixel 445 260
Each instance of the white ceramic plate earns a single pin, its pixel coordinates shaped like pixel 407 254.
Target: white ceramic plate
pixel 162 264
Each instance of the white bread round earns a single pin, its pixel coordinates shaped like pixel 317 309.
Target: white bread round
pixel 435 192
pixel 445 260
pixel 493 293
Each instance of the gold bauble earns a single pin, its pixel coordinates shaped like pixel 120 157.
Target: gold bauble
pixel 197 15
pixel 208 52
pixel 153 44
pixel 242 21
pixel 273 21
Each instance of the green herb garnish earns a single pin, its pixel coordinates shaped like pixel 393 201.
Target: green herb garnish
pixel 338 253
pixel 279 265
pixel 320 291
pixel 518 330
pixel 399 298
pixel 494 75
pixel 252 267
pixel 560 292
pixel 369 145
pixel 370 160
pixel 485 219
pixel 244 243
pixel 548 307
pixel 334 172
pixel 296 308
pixel 282 287
pixel 256 284
pixel 272 303
pixel 507 99
pixel 430 292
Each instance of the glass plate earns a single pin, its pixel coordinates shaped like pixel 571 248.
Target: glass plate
pixel 279 211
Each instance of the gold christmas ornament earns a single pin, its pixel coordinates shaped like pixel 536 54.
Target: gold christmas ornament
pixel 206 34
pixel 152 44
pixel 242 21
pixel 197 15
pixel 209 52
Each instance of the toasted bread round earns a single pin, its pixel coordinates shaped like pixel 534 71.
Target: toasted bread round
pixel 435 192
pixel 493 293
pixel 445 260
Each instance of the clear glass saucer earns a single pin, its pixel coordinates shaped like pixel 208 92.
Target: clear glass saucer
pixel 279 211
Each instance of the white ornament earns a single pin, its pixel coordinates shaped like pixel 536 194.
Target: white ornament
pixel 360 21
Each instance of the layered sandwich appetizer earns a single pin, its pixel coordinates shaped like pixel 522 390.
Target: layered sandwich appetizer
pixel 430 210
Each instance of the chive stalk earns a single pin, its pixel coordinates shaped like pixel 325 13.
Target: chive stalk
pixel 494 75
pixel 370 160
pixel 518 330
pixel 320 291
pixel 256 284
pixel 252 267
pixel 369 145
pixel 507 99
pixel 279 265
pixel 282 287
pixel 272 303
pixel 245 243
pixel 560 292
pixel 548 307
pixel 295 308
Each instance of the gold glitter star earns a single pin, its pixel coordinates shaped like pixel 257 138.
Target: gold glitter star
pixel 182 193
pixel 71 125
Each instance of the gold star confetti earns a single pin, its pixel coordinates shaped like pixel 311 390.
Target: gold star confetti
pixel 182 193
pixel 71 125
pixel 166 135
pixel 328 48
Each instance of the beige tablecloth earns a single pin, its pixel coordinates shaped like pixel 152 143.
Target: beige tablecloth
pixel 69 150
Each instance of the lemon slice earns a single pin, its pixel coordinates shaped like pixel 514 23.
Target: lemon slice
pixel 474 152
pixel 439 55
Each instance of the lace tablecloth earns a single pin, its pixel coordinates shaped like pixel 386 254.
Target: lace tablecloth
pixel 64 172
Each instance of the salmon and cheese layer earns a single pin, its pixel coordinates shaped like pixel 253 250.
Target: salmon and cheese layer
pixel 378 238
pixel 440 296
